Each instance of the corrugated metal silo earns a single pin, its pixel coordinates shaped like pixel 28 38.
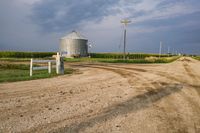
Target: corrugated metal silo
pixel 74 45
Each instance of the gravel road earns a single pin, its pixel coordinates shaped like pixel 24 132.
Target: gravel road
pixel 118 98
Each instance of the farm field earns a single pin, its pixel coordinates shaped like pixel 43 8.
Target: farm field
pixel 107 97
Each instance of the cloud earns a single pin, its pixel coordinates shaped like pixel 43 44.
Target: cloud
pixel 62 15
pixel 37 25
pixel 29 2
pixel 17 32
pixel 159 9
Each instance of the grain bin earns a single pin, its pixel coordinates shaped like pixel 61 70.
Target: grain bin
pixel 74 45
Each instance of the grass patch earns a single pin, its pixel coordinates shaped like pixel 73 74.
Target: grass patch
pixel 76 59
pixel 14 66
pixel 142 61
pixel 85 59
pixel 128 55
pixel 197 58
pixel 20 72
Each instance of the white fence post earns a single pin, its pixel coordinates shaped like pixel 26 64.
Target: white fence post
pixel 49 67
pixel 58 63
pixel 31 67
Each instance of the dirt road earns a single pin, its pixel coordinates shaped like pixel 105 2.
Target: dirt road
pixel 118 98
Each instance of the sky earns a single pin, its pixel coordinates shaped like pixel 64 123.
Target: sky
pixel 37 25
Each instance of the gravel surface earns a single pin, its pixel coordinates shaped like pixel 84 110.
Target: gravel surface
pixel 118 98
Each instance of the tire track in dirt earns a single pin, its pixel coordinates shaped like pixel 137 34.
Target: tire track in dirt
pixel 175 78
pixel 189 71
pixel 184 82
pixel 156 85
pixel 133 75
pixel 114 66
pixel 133 104
pixel 129 75
pixel 194 106
pixel 162 74
pixel 195 79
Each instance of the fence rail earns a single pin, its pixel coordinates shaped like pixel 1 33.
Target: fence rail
pixel 59 65
pixel 44 61
pixel 41 67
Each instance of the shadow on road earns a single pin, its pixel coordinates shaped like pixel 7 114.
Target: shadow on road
pixel 134 104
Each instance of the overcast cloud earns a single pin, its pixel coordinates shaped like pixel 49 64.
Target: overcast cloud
pixel 37 25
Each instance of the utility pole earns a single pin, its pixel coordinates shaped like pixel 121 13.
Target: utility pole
pixel 89 49
pixel 176 52
pixel 125 22
pixel 160 51
pixel 168 51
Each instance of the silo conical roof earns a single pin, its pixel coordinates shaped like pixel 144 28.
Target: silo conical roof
pixel 74 35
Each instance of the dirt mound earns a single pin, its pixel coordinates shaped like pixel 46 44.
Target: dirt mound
pixel 186 59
